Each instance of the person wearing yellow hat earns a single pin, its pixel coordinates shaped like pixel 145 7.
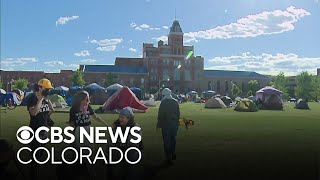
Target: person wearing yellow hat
pixel 40 108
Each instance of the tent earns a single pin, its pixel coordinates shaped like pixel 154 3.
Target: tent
pixel 19 92
pixel 175 96
pixel 113 88
pixel 150 103
pixel 270 98
pixel 70 94
pixel 57 101
pixel 2 91
pixel 137 92
pixel 302 104
pixel 15 98
pixel 215 103
pixel 208 94
pixel 98 93
pixel 122 98
pixel 226 100
pixel 60 90
pixel 246 105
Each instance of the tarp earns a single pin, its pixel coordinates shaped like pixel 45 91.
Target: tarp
pixel 2 91
pixel 122 98
pixel 302 104
pixel 245 105
pixel 215 103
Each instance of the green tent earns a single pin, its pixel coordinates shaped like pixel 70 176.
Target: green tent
pixel 56 98
pixel 246 105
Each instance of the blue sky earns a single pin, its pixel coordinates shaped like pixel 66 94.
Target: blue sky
pixel 267 36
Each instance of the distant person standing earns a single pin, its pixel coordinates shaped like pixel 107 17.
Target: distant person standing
pixel 40 110
pixel 168 121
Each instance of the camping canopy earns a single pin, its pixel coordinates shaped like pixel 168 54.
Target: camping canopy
pixel 122 98
pixel 215 103
pixel 245 105
pixel 302 104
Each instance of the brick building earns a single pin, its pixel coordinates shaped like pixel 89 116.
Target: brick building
pixel 171 65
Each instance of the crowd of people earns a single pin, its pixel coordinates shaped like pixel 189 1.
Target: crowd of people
pixel 40 110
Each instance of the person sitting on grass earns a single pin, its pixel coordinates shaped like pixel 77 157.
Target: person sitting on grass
pixel 124 170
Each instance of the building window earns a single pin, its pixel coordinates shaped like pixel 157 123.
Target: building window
pixel 227 86
pixel 209 85
pixel 187 75
pixel 165 74
pixel 176 74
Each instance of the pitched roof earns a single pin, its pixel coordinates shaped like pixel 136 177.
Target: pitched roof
pixel 243 74
pixel 114 69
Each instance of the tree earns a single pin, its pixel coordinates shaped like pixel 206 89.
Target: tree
pixel 305 85
pixel 280 82
pixel 236 91
pixel 1 84
pixel 316 87
pixel 21 84
pixel 77 78
pixel 249 93
pixel 111 79
pixel 253 86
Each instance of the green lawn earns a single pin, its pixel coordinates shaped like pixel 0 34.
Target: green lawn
pixel 223 143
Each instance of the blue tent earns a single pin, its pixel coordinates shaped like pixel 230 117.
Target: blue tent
pixel 15 98
pixel 72 91
pixel 93 87
pixel 113 88
pixel 137 92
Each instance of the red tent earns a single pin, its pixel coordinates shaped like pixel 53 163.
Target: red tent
pixel 122 98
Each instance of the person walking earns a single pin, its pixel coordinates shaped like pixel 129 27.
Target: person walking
pixel 168 121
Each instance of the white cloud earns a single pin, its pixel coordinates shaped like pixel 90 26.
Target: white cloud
pixel 64 20
pixel 107 42
pixel 267 22
pixel 14 62
pixel 163 38
pixel 88 60
pixel 82 53
pixel 142 27
pixel 165 27
pixel 265 63
pixel 54 63
pixel 132 50
pixel 107 48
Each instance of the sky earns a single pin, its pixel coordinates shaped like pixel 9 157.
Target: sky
pixel 265 36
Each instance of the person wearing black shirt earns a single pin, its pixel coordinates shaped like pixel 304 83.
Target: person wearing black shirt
pixel 79 116
pixel 40 110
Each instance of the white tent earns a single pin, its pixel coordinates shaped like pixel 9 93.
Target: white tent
pixel 2 91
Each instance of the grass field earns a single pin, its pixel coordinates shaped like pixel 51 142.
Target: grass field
pixel 223 143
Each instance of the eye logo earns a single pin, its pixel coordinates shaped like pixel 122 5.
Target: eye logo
pixel 25 135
